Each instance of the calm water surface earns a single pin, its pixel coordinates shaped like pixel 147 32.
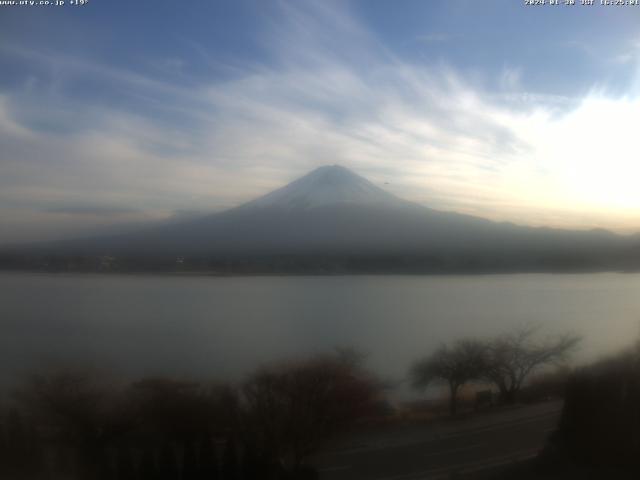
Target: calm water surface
pixel 224 327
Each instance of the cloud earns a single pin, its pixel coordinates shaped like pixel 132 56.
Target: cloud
pixel 333 94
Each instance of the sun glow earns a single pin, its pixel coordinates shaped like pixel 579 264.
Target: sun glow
pixel 592 153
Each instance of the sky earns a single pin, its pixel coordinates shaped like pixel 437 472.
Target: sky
pixel 117 113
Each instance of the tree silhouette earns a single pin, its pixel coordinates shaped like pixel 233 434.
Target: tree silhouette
pixel 292 409
pixel 125 467
pixel 81 409
pixel 454 365
pixel 208 460
pixel 511 358
pixel 230 460
pixel 190 462
pixel 168 463
pixel 17 444
pixel 148 470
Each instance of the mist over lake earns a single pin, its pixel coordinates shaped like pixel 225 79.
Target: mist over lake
pixel 224 327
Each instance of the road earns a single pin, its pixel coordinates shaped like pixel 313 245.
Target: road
pixel 437 451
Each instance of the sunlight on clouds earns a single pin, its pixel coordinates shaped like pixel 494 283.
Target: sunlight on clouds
pixel 590 153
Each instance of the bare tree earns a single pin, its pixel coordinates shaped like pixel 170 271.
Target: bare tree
pixel 456 365
pixel 292 409
pixel 180 409
pixel 512 357
pixel 79 408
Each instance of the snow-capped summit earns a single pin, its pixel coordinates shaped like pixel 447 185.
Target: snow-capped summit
pixel 327 185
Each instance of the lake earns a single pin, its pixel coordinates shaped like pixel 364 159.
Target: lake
pixel 223 327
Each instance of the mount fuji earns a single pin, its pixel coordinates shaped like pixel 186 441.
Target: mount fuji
pixel 333 220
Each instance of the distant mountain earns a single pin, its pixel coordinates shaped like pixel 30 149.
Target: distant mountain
pixel 333 220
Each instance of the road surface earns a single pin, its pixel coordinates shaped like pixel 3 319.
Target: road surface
pixel 464 446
